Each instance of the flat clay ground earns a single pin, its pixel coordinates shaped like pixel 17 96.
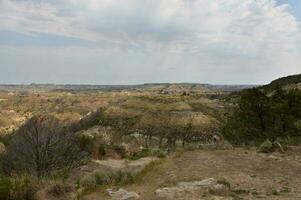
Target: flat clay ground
pixel 251 175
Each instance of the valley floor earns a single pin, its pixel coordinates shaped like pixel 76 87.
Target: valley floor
pixel 251 175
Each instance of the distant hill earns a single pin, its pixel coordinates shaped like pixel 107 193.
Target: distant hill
pixel 178 88
pixel 288 82
pixel 159 88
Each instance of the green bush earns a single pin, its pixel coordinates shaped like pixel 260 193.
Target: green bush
pixel 106 176
pixel 279 144
pixel 85 141
pixel 260 116
pixel 266 147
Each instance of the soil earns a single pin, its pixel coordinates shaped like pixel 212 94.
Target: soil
pixel 251 175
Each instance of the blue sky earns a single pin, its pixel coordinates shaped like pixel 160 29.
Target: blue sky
pixel 138 41
pixel 295 6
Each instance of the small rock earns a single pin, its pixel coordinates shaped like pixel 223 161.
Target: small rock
pixel 122 194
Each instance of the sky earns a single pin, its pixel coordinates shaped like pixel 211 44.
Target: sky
pixel 148 41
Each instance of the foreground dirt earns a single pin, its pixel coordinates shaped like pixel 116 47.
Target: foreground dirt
pixel 251 175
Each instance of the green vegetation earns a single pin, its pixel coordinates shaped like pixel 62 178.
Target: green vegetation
pixel 147 153
pixel 275 192
pixel 51 145
pixel 104 177
pixel 260 117
pixel 266 147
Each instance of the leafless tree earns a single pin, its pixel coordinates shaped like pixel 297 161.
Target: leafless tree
pixel 41 147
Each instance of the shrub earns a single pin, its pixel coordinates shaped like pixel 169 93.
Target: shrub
pixel 84 141
pixel 275 192
pixel 17 188
pixel 266 147
pixel 146 153
pixel 259 117
pixel 158 153
pixel 102 150
pixel 88 182
pixel 41 147
pixel 59 189
pixel 124 177
pixel 106 176
pixel 101 177
pixel 91 119
pixel 109 176
pixel 281 144
pixel 139 154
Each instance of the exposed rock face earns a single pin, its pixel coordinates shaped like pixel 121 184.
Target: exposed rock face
pixel 193 190
pixel 122 194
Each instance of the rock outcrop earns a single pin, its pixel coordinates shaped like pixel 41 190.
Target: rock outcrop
pixel 122 194
pixel 193 190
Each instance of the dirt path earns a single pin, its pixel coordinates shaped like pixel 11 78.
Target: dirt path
pixel 251 175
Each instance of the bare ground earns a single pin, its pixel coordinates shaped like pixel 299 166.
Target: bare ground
pixel 251 175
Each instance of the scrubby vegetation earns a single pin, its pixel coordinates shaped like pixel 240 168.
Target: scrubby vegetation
pixel 17 187
pixel 46 147
pixel 146 153
pixel 260 117
pixel 106 176
pixel 41 147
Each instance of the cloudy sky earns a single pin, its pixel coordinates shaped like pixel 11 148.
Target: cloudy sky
pixel 139 41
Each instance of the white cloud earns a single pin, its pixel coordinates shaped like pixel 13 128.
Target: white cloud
pixel 257 35
pixel 29 17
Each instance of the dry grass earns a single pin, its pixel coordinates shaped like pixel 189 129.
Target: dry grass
pixel 251 175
